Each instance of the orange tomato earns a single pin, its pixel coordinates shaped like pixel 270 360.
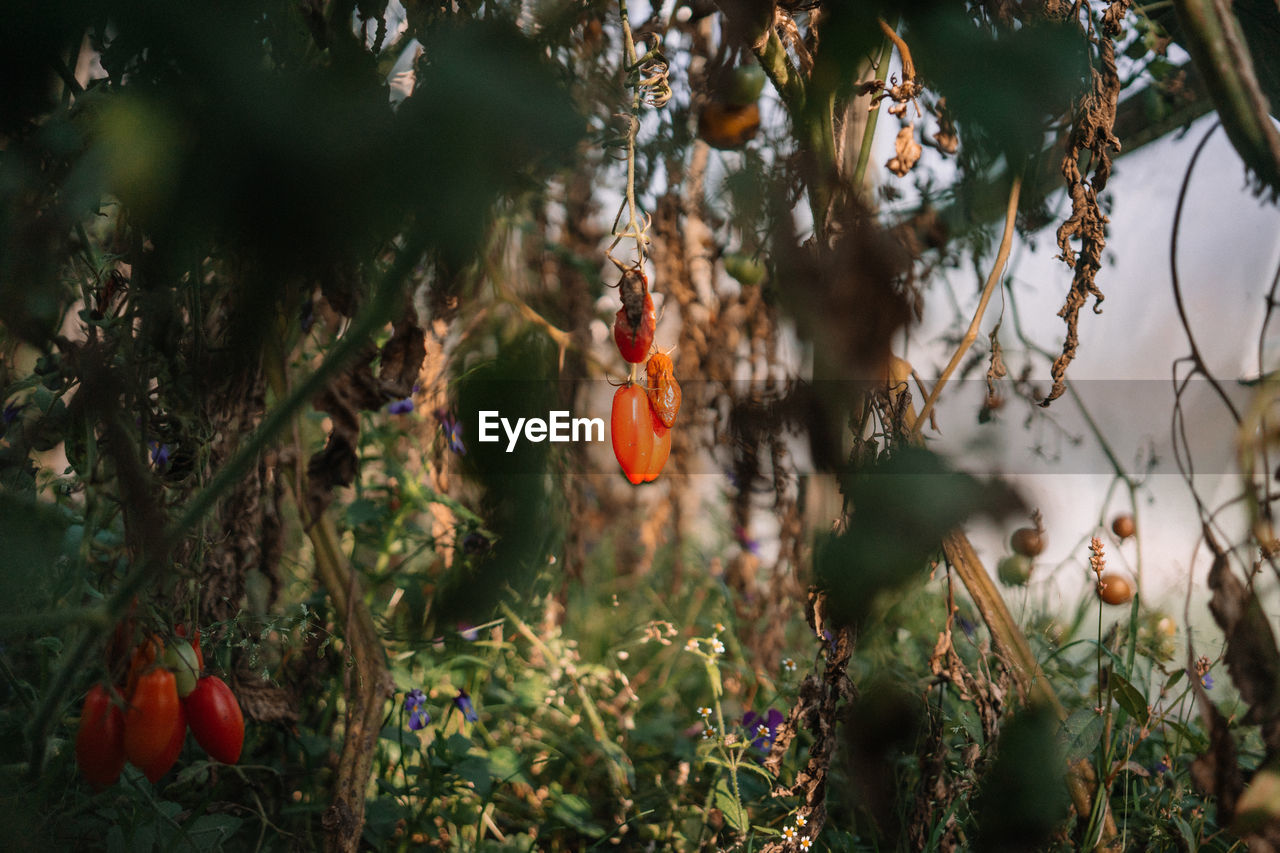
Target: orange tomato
pixel 631 432
pixel 664 390
pixel 724 126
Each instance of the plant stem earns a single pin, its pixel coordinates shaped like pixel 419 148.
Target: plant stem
pixel 997 270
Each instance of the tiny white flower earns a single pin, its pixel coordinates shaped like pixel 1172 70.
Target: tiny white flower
pixel 704 711
pixel 692 645
pixel 805 843
pixel 800 820
pixel 789 664
pixel 719 628
pixel 789 833
pixel 709 732
pixel 717 647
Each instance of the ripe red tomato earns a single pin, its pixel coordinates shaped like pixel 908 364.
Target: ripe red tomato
pixel 631 431
pixel 100 740
pixel 151 717
pixel 215 719
pixel 664 390
pixel 166 759
pixel 641 441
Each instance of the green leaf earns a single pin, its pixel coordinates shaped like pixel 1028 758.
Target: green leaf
pixel 1082 731
pixel 575 812
pixel 1175 678
pixel 1129 698
pixel 734 813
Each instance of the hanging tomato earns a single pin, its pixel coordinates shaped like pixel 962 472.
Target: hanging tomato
pixel 636 320
pixel 631 431
pixel 216 720
pixel 663 390
pixel 151 718
pixel 100 740
pixel 160 766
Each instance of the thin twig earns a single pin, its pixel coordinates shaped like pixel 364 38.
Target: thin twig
pixel 997 270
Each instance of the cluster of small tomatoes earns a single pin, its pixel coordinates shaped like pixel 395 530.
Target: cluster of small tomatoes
pixel 144 719
pixel 642 416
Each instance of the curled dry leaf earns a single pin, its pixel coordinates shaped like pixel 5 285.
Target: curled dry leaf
pixel 907 151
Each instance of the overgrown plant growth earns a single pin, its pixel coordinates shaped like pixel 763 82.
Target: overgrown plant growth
pixel 270 273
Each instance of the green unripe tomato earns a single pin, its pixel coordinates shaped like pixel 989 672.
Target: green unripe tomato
pixel 745 85
pixel 744 268
pixel 1014 570
pixel 180 657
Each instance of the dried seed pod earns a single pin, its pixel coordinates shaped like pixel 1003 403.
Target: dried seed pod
pixel 1122 526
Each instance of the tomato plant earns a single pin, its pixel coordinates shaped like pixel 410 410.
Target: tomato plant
pixel 100 740
pixel 215 719
pixel 151 717
pixel 663 390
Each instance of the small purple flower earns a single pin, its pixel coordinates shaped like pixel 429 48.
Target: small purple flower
pixel 468 632
pixel 1162 767
pixel 452 430
pixel 418 716
pixel 11 412
pixel 1207 681
pixel 463 701
pixel 747 543
pixel 763 731
pixel 160 454
pixel 400 407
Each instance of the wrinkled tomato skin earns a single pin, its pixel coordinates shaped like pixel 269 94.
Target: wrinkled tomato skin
pixel 215 719
pixel 169 757
pixel 151 717
pixel 664 390
pixel 100 740
pixel 661 448
pixel 631 431
pixel 634 343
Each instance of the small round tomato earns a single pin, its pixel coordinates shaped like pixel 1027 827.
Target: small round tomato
pixel 215 719
pixel 1115 588
pixel 1015 570
pixel 745 85
pixel 1027 541
pixel 725 126
pixel 631 431
pixel 166 759
pixel 100 740
pixel 745 268
pixel 151 717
